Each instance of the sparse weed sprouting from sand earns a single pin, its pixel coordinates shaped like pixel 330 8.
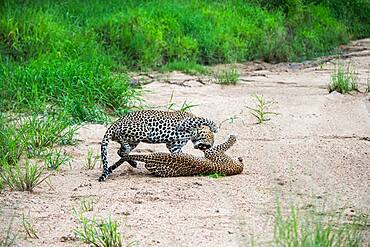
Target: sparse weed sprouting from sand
pixel 28 227
pixel 102 233
pixel 314 230
pixel 344 79
pixel 87 205
pixel 185 107
pixel 227 76
pixel 22 178
pixel 91 160
pixel 54 160
pixel 7 235
pixel 261 112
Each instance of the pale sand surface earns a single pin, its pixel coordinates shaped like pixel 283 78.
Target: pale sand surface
pixel 316 152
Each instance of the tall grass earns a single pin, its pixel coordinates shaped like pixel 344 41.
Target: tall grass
pixel 73 56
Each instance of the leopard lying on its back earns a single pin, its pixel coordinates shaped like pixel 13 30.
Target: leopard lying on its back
pixel 181 164
pixel 174 128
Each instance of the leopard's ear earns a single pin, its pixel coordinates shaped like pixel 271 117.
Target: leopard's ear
pixel 193 123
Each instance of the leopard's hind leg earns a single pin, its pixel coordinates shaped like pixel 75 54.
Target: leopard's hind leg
pixel 125 149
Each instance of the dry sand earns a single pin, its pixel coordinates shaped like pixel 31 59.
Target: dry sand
pixel 315 153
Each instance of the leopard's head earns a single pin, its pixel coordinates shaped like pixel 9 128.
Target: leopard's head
pixel 202 138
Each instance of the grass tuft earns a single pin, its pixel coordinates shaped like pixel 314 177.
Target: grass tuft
pixel 91 160
pixel 87 205
pixel 227 76
pixel 102 233
pixel 28 227
pixel 54 160
pixel 22 178
pixel 295 231
pixel 344 79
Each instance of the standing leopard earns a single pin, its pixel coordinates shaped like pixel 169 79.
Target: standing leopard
pixel 174 128
pixel 215 160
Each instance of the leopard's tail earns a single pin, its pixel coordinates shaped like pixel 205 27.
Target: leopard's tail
pixel 104 154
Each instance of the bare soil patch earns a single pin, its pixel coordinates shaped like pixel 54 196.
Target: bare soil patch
pixel 315 152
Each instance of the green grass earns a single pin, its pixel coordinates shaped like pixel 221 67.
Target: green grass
pixel 215 175
pixel 8 235
pixel 28 227
pixel 185 107
pixel 227 76
pixel 91 160
pixel 261 112
pixel 344 79
pixel 33 135
pixel 296 230
pixel 87 205
pixel 55 159
pixel 102 233
pixel 73 57
pixel 22 177
pixel 190 68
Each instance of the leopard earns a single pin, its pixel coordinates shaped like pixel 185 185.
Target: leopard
pixel 215 160
pixel 174 128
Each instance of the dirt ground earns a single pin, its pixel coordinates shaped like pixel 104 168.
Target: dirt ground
pixel 314 153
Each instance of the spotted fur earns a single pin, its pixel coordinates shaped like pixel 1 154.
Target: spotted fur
pixel 215 160
pixel 174 128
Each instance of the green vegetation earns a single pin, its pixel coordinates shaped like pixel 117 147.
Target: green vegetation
pixel 87 205
pixel 215 175
pixel 344 79
pixel 102 233
pixel 261 112
pixel 91 160
pixel 22 178
pixel 172 106
pixel 66 56
pixel 294 231
pixel 63 63
pixel 28 227
pixel 190 68
pixel 227 76
pixel 27 136
pixel 8 236
pixel 56 159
